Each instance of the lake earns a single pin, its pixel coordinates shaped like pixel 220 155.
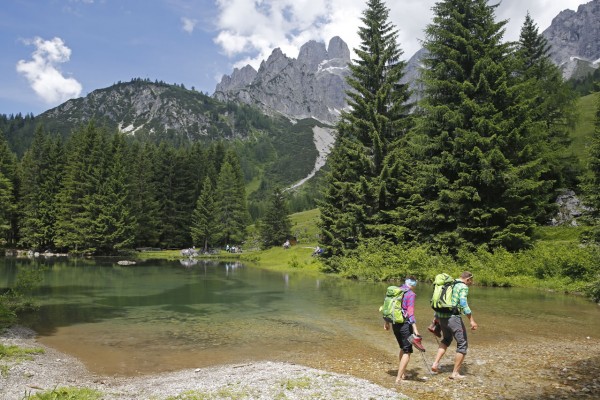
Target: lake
pixel 159 316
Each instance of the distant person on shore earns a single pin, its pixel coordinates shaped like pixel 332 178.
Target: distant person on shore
pixel 408 327
pixel 453 327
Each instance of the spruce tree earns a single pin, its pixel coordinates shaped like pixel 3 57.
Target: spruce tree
pixel 204 217
pixel 42 170
pixel 77 200
pixel 551 104
pixel 8 167
pixel 114 222
pixel 378 118
pixel 7 207
pixel 175 190
pixel 145 206
pixel 481 176
pixel 230 200
pixel 275 227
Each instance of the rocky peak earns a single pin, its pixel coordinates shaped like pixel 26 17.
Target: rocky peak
pixel 312 54
pixel 574 37
pixel 238 79
pixel 313 85
pixel 276 62
pixel 337 48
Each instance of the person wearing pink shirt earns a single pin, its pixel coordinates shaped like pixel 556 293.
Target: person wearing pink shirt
pixel 408 327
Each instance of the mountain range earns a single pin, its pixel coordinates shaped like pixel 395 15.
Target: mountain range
pixel 307 91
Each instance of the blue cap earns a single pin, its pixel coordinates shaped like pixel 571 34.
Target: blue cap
pixel 411 282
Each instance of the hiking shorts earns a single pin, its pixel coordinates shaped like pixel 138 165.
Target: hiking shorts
pixel 454 328
pixel 402 333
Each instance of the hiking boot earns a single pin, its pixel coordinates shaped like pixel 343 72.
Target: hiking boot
pixel 435 328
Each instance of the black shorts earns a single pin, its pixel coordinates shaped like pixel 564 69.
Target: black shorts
pixel 402 333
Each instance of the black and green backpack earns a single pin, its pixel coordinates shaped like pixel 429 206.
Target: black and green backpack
pixel 392 305
pixel 441 299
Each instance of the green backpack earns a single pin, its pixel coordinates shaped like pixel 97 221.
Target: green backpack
pixel 392 305
pixel 441 299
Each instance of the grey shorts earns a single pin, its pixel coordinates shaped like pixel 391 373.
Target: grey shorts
pixel 454 328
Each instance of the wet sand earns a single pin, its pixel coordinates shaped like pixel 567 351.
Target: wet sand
pixel 528 367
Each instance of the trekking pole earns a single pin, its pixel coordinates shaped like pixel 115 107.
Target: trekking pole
pixel 426 364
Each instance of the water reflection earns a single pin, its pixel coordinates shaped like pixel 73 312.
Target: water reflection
pixel 159 316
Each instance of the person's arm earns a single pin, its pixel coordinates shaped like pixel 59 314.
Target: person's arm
pixel 474 325
pixel 464 305
pixel 409 306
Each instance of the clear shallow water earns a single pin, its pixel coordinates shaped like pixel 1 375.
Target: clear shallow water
pixel 162 316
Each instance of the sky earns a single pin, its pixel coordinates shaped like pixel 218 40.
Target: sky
pixel 55 50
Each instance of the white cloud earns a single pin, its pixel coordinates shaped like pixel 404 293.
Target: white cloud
pixel 43 74
pixel 188 24
pixel 249 30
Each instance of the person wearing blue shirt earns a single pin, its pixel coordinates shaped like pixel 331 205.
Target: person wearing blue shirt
pixel 453 326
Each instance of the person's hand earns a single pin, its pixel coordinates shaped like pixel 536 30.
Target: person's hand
pixel 386 326
pixel 474 326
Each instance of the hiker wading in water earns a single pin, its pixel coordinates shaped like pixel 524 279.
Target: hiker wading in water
pixel 405 329
pixel 453 326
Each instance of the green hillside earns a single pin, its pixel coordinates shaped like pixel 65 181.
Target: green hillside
pixel 584 129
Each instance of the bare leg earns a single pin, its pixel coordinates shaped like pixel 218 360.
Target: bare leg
pixel 458 360
pixel 404 358
pixel 440 353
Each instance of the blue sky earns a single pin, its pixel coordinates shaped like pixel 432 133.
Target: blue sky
pixel 53 50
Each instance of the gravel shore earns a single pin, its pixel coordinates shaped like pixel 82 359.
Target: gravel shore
pixel 254 380
pixel 528 368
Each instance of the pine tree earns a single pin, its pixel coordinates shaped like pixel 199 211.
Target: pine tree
pixel 204 217
pixel 114 222
pixel 7 207
pixel 231 215
pixel 8 168
pixel 275 227
pixel 145 206
pixel 77 199
pixel 42 171
pixel 481 178
pixel 175 191
pixel 551 103
pixel 378 119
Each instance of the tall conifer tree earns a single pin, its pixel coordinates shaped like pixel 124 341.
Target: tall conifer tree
pixel 275 226
pixel 482 175
pixel 77 200
pixel 378 116
pixel 114 222
pixel 204 217
pixel 550 101
pixel 230 200
pixel 145 206
pixel 8 168
pixel 41 169
pixel 7 207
